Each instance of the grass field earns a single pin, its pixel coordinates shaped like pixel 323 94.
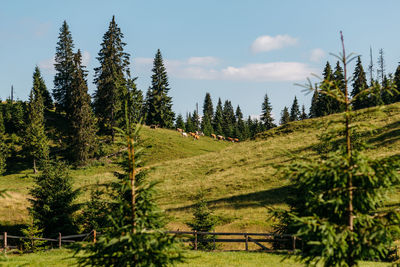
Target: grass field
pixel 240 180
pixel 194 259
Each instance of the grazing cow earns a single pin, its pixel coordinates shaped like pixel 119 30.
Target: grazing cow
pixel 196 137
pixel 236 140
pixel 153 126
pixel 179 130
pixel 220 137
pixel 199 133
pixel 230 139
pixel 192 134
pixel 184 134
pixel 213 136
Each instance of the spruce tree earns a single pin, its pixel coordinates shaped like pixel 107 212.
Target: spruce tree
pixel 159 104
pixel 111 80
pixel 228 119
pixel 388 94
pixel 295 111
pixel 206 126
pixel 396 81
pixel 3 145
pixel 326 103
pixel 36 143
pixel 338 78
pixel 303 115
pixel 134 102
pixel 266 115
pixel 381 67
pixel 53 201
pixel 240 128
pixel 218 118
pixel 285 116
pixel 83 124
pixel 359 86
pixel 189 123
pixel 47 100
pixel 314 112
pixel 208 108
pixel 179 123
pixel 196 121
pixel 64 68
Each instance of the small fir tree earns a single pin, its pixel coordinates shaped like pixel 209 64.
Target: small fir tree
pixel 36 143
pixel 266 115
pixel 203 221
pixel 134 102
pixel 52 202
pixel 196 121
pixel 206 126
pixel 136 236
pixel 228 119
pixel 303 114
pixel 338 79
pixel 47 100
pixel 189 123
pixel 180 123
pixel 83 124
pixel 31 232
pixel 295 111
pixel 314 112
pixel 285 116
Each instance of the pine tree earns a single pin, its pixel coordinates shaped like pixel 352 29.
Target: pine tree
pixel 359 85
pixel 206 126
pixel 208 108
pixel 136 236
pixel 189 123
pixel 266 115
pixel 303 115
pixel 285 116
pixel 396 81
pixel 83 124
pixel 36 143
pixel 338 78
pixel 314 112
pixel 325 103
pixel 196 121
pixel 159 109
pixel 218 118
pixel 47 100
pixel 135 102
pixel 295 111
pixel 64 68
pixel 111 80
pixel 53 200
pixel 388 94
pixel 229 120
pixel 179 123
pixel 3 145
pixel 381 66
pixel 240 128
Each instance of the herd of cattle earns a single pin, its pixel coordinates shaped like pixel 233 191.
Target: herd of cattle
pixel 196 135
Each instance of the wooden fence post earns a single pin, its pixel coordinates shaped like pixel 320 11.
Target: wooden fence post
pixel 59 240
pixel 5 241
pixel 247 241
pixel 294 243
pixel 94 236
pixel 214 240
pixel 195 240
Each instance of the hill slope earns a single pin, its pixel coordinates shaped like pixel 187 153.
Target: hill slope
pixel 240 179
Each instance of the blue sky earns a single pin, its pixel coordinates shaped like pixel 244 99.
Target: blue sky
pixel 236 50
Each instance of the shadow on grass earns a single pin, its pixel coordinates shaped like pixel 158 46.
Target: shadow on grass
pixel 256 199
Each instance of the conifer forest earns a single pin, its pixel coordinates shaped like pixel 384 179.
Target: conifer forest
pixel 101 165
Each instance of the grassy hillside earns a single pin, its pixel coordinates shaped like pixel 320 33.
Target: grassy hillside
pixel 240 179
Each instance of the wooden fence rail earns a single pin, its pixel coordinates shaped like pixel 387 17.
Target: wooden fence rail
pixel 193 237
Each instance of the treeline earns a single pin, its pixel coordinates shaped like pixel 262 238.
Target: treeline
pixel 226 120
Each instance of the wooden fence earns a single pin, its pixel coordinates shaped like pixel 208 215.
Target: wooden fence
pixel 290 243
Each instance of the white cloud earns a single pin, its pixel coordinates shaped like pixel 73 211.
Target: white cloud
pixel 266 72
pixel 267 43
pixel 317 54
pixel 85 58
pixel 203 61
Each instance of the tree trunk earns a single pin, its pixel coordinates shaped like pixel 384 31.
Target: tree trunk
pixel 34 166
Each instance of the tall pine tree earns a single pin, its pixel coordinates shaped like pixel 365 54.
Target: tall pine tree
pixel 179 123
pixel 359 85
pixel 295 110
pixel 208 108
pixel 266 115
pixel 218 118
pixel 159 104
pixel 285 116
pixel 229 120
pixel 338 77
pixel 47 100
pixel 64 68
pixel 325 103
pixel 36 143
pixel 83 130
pixel 134 102
pixel 111 80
